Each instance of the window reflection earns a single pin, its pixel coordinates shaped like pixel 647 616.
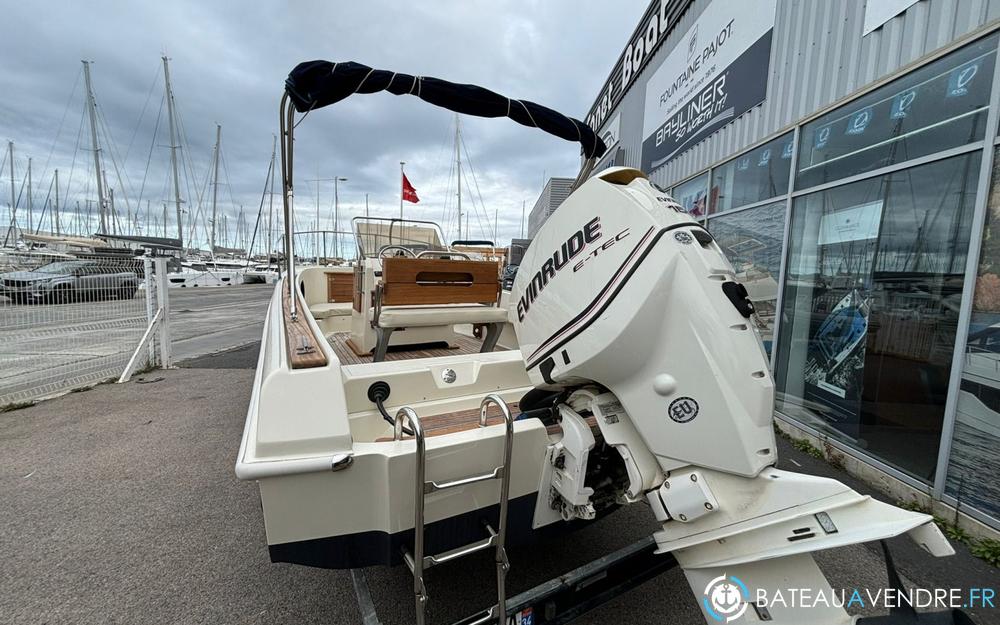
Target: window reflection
pixel 751 239
pixel 874 285
pixel 938 106
pixel 692 195
pixel 974 470
pixel 756 176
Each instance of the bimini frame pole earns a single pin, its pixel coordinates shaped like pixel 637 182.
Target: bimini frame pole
pixel 287 123
pixel 585 169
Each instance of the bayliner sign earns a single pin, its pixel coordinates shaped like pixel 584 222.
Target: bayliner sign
pixel 717 72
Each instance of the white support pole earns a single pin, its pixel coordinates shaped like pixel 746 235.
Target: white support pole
pixel 163 298
pixel 133 361
pixel 147 276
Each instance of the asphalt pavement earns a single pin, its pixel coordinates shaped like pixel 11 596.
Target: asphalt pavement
pixel 120 506
pixel 212 320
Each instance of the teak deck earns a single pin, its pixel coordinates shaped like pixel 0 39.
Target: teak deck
pixel 463 420
pixel 461 346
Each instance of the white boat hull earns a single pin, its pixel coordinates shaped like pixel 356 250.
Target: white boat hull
pixel 193 279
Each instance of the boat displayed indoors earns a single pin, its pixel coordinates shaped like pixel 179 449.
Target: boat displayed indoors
pixel 402 414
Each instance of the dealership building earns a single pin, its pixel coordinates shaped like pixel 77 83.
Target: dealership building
pixel 844 156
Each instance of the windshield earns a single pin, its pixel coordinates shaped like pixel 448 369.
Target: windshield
pixel 62 267
pixel 374 233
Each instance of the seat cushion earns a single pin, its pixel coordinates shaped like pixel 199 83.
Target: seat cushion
pixel 411 317
pixel 334 309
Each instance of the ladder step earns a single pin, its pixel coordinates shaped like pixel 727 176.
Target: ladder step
pixel 458 552
pixel 433 487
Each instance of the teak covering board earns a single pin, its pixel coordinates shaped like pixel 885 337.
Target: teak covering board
pixel 304 351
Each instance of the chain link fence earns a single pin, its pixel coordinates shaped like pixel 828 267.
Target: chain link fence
pixel 68 322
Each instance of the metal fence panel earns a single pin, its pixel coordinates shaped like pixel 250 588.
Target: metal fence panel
pixel 68 322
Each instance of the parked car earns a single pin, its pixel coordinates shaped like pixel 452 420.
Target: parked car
pixel 509 273
pixel 69 281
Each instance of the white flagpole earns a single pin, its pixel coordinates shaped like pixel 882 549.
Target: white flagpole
pixel 401 174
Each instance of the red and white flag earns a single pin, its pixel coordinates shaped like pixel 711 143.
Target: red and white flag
pixel 409 193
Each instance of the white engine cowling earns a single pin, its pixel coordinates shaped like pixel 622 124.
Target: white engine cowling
pixel 621 287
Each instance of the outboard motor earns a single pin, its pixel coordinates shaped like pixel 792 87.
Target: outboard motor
pixel 626 305
pixel 623 288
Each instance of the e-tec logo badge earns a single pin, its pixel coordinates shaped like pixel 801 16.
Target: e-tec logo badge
pixel 683 409
pixel 726 598
pixel 683 237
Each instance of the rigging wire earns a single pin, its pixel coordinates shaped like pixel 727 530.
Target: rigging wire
pixel 189 177
pixel 142 113
pixel 72 167
pixel 45 205
pixel 476 182
pixel 69 101
pixel 123 183
pixel 229 186
pixel 152 144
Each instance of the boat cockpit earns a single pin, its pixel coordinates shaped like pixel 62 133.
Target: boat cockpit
pixel 406 295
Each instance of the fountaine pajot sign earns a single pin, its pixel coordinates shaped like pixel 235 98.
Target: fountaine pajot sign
pixel 717 72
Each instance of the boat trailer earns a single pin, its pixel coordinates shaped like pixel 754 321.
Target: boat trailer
pixel 561 599
pixel 567 597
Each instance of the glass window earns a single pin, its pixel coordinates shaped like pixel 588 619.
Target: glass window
pixel 692 195
pixel 974 469
pixel 939 106
pixel 751 239
pixel 870 311
pixel 758 175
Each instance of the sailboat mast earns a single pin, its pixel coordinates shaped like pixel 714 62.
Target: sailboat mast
pixel 30 224
pixel 11 228
pixel 241 231
pixel 55 210
pixel 95 146
pixel 13 197
pixel 111 212
pixel 173 149
pixel 215 187
pixel 458 164
pixel 270 200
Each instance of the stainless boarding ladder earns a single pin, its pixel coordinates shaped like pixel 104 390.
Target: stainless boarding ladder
pixel 417 561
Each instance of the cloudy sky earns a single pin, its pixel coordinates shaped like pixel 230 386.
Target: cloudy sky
pixel 228 63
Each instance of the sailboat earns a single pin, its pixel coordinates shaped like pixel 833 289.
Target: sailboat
pixel 211 271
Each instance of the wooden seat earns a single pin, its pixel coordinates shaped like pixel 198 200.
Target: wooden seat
pixel 430 281
pixel 426 292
